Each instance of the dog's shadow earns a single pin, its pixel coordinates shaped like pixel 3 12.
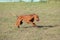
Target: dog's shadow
pixel 41 26
pixel 45 26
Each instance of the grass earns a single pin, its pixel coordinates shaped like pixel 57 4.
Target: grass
pixel 49 14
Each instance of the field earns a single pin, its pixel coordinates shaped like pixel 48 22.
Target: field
pixel 49 25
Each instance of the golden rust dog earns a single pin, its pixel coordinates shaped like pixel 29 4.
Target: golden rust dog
pixel 27 18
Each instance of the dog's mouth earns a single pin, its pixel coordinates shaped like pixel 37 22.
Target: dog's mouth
pixel 38 20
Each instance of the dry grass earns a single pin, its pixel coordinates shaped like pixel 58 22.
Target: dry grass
pixel 49 25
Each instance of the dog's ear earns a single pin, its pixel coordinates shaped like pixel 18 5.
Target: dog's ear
pixel 34 14
pixel 16 15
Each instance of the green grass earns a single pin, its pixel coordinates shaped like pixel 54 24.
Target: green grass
pixel 49 14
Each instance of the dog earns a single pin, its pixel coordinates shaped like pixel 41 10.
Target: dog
pixel 28 19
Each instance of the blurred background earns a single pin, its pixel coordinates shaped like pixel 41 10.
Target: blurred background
pixel 21 0
pixel 26 0
pixel 48 28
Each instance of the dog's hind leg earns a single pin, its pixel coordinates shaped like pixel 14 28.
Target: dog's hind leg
pixel 19 22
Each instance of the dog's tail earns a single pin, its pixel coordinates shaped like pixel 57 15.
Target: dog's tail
pixel 13 14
